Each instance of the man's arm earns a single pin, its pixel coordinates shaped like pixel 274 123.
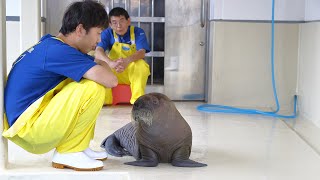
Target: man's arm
pixel 102 74
pixel 100 54
pixel 136 56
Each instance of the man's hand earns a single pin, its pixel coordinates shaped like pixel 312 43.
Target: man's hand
pixel 113 64
pixel 100 54
pixel 123 64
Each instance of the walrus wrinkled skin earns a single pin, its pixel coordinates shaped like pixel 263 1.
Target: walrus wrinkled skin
pixel 158 134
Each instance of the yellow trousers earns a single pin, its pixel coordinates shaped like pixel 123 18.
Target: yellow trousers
pixel 64 118
pixel 135 75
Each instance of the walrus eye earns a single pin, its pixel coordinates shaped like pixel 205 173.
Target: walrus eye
pixel 137 104
pixel 155 101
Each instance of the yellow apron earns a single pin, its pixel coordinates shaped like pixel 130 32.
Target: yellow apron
pixel 64 118
pixel 135 75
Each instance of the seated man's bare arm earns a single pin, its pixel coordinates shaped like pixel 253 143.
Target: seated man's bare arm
pixel 102 74
pixel 140 54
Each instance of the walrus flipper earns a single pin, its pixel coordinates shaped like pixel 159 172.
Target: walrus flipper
pixel 112 145
pixel 149 158
pixel 180 158
pixel 187 163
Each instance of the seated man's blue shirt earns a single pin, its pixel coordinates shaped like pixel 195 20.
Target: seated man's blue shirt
pixel 40 69
pixel 107 39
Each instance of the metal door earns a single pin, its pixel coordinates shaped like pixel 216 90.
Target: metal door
pixel 185 49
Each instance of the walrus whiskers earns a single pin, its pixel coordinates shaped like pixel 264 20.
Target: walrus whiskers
pixel 143 115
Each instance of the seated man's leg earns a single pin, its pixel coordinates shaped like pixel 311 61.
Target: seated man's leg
pixel 138 73
pixel 135 75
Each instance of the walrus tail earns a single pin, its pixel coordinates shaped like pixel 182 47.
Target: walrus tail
pixel 112 145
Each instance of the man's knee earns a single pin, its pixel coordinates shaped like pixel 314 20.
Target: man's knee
pixel 93 87
pixel 142 67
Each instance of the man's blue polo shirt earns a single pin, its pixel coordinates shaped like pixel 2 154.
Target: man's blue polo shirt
pixel 107 39
pixel 38 70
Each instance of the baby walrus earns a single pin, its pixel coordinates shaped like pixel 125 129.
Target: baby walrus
pixel 159 134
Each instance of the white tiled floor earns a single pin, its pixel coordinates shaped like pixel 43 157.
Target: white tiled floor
pixel 240 147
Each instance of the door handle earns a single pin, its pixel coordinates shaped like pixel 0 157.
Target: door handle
pixel 202 14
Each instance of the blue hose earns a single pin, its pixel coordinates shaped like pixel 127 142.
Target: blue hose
pixel 212 108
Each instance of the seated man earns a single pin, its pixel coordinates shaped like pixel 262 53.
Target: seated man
pixel 127 46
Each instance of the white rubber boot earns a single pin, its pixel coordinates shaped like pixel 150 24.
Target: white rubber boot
pixel 78 161
pixel 98 155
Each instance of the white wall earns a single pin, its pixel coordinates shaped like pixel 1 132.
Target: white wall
pixel 13 42
pixel 287 10
pixel 241 64
pixel 309 74
pixel 13 7
pixel 13 32
pixel 30 24
pixel 312 10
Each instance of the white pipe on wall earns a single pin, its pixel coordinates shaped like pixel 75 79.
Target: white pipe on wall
pixel 3 74
pixel 30 23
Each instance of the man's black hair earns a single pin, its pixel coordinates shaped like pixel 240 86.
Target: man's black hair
pixel 119 11
pixel 88 13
